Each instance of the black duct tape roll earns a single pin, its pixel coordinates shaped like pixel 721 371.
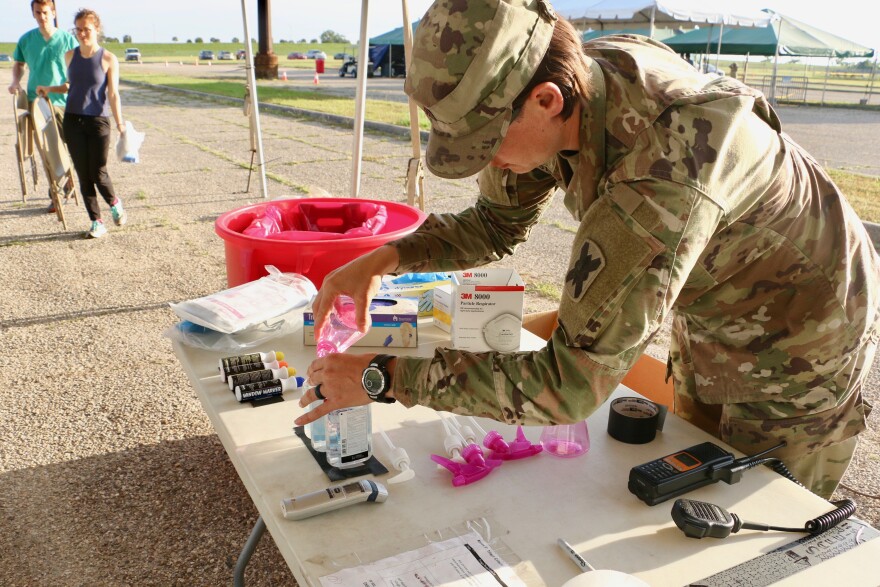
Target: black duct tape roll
pixel 635 420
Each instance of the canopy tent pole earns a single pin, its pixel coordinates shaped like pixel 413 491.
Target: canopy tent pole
pixel 254 106
pixel 704 60
pixel 871 83
pixel 720 35
pixel 746 68
pixel 772 97
pixel 825 85
pixel 653 13
pixel 415 174
pixel 360 104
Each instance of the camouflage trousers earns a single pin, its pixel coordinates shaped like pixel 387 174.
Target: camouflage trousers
pixel 820 445
pixel 821 471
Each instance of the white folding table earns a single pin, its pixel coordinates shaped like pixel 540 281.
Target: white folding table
pixel 531 502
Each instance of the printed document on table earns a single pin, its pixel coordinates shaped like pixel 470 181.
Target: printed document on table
pixel 458 562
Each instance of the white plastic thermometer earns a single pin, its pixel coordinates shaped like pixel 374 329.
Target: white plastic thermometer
pixel 332 498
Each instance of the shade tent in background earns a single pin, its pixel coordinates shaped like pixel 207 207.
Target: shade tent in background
pixel 794 38
pixel 650 14
pixel 785 36
pixel 660 34
pixel 387 52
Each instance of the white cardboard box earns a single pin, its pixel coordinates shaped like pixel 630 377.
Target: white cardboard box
pixel 482 309
pixel 395 324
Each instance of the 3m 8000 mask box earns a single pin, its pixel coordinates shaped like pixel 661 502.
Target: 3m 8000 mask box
pixel 482 309
pixel 394 324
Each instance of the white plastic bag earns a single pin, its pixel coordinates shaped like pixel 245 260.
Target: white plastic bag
pixel 128 144
pixel 261 334
pixel 233 310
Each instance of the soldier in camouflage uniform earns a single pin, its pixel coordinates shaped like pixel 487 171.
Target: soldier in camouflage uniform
pixel 690 200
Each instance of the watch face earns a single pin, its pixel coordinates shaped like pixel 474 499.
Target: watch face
pixel 374 381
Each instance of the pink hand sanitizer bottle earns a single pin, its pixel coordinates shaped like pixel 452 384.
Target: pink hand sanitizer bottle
pixel 340 330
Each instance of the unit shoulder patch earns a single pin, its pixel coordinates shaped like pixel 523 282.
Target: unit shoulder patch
pixel 584 271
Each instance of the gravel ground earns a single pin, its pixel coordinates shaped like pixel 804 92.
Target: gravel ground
pixel 110 473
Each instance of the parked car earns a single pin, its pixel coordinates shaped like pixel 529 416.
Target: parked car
pixel 316 54
pixel 224 56
pixel 5 57
pixel 341 56
pixel 133 54
pixel 240 54
pixel 206 55
pixel 296 55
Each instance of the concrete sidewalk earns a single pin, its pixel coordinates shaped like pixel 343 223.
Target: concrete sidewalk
pixel 110 474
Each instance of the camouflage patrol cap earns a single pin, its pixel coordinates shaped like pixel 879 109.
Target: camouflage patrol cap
pixel 470 60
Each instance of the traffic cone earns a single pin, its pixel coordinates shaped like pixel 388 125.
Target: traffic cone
pixel 284 76
pixel 317 81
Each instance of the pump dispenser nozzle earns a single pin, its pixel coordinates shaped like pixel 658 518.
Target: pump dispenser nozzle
pixel 475 465
pixel 399 459
pixel 452 442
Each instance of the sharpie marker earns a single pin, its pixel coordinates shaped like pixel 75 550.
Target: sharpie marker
pixel 582 564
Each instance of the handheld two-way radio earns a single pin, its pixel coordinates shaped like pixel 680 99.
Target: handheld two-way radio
pixel 670 476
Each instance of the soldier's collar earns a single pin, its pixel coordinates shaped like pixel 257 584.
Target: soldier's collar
pixel 590 166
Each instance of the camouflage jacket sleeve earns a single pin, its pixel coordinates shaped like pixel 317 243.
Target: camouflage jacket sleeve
pixel 623 278
pixel 508 206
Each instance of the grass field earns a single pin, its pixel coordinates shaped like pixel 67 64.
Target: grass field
pixel 396 113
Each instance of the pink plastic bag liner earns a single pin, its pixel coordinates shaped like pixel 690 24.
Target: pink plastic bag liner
pixel 319 221
pixel 268 223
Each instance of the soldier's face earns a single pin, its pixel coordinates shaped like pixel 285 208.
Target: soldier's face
pixel 536 135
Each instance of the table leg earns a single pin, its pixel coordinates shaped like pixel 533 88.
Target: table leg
pixel 247 551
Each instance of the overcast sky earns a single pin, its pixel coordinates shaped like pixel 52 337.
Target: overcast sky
pixel 159 20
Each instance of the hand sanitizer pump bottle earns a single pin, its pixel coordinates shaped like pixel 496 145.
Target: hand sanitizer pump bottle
pixel 349 430
pixel 349 437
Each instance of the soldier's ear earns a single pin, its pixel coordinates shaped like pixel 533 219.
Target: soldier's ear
pixel 548 97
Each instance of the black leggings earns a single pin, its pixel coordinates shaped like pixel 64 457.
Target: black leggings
pixel 88 140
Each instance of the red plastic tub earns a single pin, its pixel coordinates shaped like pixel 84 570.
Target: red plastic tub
pixel 246 255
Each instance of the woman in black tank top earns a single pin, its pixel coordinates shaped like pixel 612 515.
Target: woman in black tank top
pixel 93 96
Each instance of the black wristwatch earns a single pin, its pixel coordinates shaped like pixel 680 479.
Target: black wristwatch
pixel 377 381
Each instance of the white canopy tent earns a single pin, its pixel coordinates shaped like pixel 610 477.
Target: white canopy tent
pixel 638 13
pixel 415 170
